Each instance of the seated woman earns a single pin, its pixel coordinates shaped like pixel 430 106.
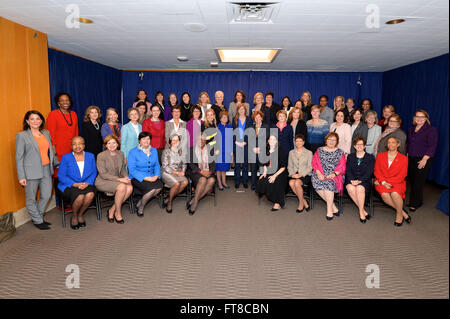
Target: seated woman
pixel 273 180
pixel 391 168
pixel 358 176
pixel 173 169
pixel 76 176
pixel 144 170
pixel 201 171
pixel 113 177
pixel 329 165
pixel 299 168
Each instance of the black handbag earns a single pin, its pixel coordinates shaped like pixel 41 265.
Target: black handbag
pixel 7 226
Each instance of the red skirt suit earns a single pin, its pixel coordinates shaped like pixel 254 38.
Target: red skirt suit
pixel 394 175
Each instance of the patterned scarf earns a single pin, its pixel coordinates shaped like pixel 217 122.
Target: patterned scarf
pixel 145 150
pixel 202 157
pixel 385 133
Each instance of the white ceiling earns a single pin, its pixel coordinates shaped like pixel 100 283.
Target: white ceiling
pixel 313 35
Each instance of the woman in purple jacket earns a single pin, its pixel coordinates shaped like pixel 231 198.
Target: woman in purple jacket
pixel 422 143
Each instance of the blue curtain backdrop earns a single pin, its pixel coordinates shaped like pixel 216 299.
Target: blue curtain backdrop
pixel 89 83
pixel 291 84
pixel 423 85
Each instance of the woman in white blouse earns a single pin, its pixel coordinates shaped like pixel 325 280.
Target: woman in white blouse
pixel 204 103
pixel 374 131
pixel 344 131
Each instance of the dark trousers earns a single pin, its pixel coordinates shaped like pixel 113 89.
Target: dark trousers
pixel 254 169
pixel 417 178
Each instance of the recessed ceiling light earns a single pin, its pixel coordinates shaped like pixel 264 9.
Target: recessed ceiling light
pixel 84 20
pixel 247 55
pixel 195 27
pixel 395 21
pixel 182 58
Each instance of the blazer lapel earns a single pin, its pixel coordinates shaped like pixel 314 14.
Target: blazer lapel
pixel 33 141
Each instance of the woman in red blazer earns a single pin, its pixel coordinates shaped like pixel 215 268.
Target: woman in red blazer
pixel 155 126
pixel 391 168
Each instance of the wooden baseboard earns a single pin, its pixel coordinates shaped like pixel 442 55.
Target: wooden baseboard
pixel 22 217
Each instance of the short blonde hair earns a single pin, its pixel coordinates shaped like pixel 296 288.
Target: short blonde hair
pixel 369 113
pixel 258 94
pixel 88 110
pixel 281 112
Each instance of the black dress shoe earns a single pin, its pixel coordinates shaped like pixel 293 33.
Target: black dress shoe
pixel 47 223
pixel 245 185
pixel 111 220
pixel 300 210
pixel 412 209
pixel 42 226
pixel 337 214
pixel 399 224
pixel 363 220
pixel 368 217
pixel 168 211
pixel 236 186
pixel 188 205
pixel 74 227
pixel 408 220
pixel 83 224
pixel 191 212
pixel 329 218
pixel 274 209
pixel 139 214
pixel 119 221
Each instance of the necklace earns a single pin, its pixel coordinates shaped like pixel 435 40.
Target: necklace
pixel 97 126
pixel 70 115
pixel 188 106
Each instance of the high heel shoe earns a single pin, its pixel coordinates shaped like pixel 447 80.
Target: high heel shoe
pixel 300 210
pixel 74 227
pixel 191 212
pixel 168 211
pixel 329 218
pixel 111 220
pixel 83 224
pixel 119 221
pixel 408 220
pixel 363 220
pixel 399 224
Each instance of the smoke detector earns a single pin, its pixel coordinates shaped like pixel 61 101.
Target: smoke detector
pixel 252 12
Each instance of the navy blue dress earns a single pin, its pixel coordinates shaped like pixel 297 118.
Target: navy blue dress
pixel 286 139
pixel 360 169
pixel 226 147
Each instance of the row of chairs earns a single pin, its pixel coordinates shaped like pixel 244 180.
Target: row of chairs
pixel 103 200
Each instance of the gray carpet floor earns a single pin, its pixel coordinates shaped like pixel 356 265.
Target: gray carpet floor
pixel 235 250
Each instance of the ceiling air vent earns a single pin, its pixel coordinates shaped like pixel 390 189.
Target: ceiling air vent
pixel 252 12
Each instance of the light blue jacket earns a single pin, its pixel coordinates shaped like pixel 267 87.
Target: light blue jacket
pixel 129 138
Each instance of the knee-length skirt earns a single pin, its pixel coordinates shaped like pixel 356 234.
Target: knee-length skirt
pixel 169 179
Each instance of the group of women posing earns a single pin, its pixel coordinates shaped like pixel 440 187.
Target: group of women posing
pixel 175 142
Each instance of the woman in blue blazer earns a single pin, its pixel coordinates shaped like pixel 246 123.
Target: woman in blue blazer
pixel 241 122
pixel 285 133
pixel 144 170
pixel 130 132
pixel 76 177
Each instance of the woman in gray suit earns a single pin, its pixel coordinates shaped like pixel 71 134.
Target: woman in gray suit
pixel 173 168
pixel 113 177
pixel 300 168
pixel 359 127
pixel 35 158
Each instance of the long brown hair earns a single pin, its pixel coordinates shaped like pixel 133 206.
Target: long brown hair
pixel 214 123
pixel 295 108
pixel 237 113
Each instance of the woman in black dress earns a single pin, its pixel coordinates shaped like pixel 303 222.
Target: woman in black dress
pixel 273 180
pixel 358 176
pixel 90 130
pixel 186 106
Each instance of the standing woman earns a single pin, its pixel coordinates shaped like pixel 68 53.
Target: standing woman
pixel 76 177
pixel 226 149
pixel 141 96
pixel 241 122
pixel 111 125
pixel 173 170
pixel 317 129
pixel 286 104
pixel 239 97
pixel 393 130
pixel 358 176
pixel 391 168
pixel 295 119
pixel 186 106
pixel 388 110
pixel 156 127
pixel 273 180
pixel 366 105
pixel 349 106
pixel 176 126
pixel 201 171
pixel 285 133
pixel 90 130
pixel 173 101
pixel 422 143
pixel 113 177
pixel 209 128
pixel 373 132
pixel 299 169
pixel 144 170
pixel 339 105
pixel 261 135
pixel 62 124
pixel 306 105
pixel 35 159
pixel 142 109
pixel 204 103
pixel 130 132
pixel 359 128
pixel 344 131
pixel 218 106
pixel 328 167
pixel 194 125
pixel 258 102
pixel 159 101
